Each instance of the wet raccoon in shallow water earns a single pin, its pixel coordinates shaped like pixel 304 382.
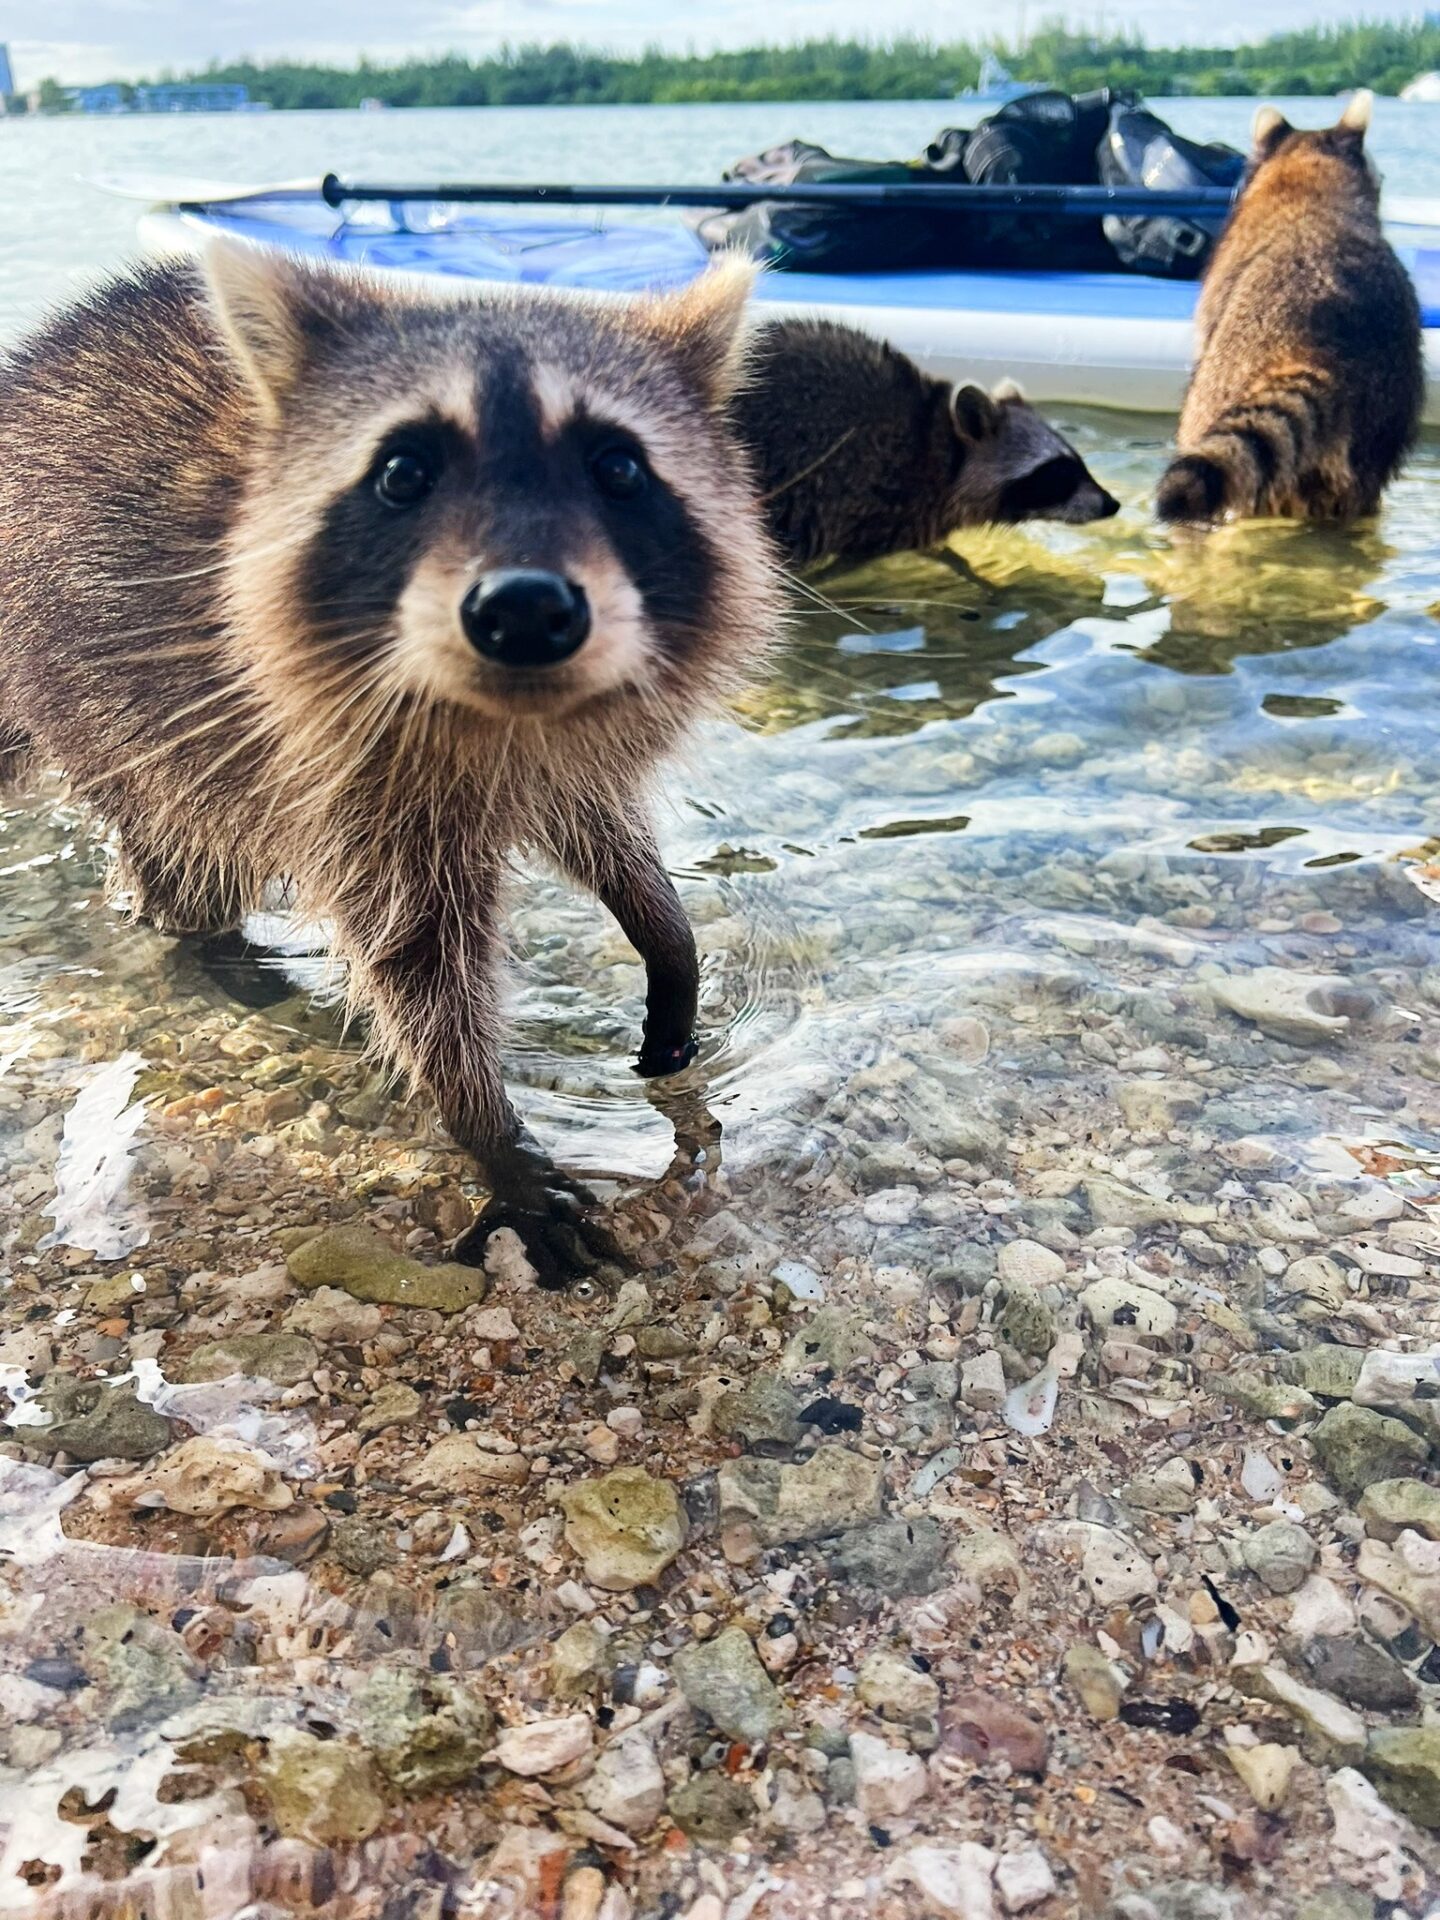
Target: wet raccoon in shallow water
pixel 1309 379
pixel 307 575
pixel 860 452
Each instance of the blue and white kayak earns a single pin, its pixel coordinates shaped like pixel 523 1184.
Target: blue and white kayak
pixel 1095 339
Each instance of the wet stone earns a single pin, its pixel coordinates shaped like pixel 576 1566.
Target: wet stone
pixel 983 1726
pixel 580 1660
pixel 627 1788
pixel 831 1492
pixel 1389 1507
pixel 393 1405
pixel 358 1261
pixel 1358 1671
pixel 285 1358
pixel 1357 1446
pixel 893 1556
pixel 141 1667
pixel 896 1688
pixel 1263 1399
pixel 1169 1488
pixel 626 1527
pixel 361 1546
pixel 1026 1322
pixel 829 1338
pixel 763 1411
pixel 1328 1372
pixel 1096 1681
pixel 331 1314
pixel 1404 1764
pixel 724 1679
pixel 711 1808
pixel 322 1791
pixel 116 1426
pixel 1280 1555
pixel 425 1730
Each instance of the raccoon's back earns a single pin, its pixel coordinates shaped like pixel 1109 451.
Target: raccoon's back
pixel 122 451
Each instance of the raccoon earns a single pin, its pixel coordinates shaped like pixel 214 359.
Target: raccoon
pixel 307 574
pixel 1309 378
pixel 860 453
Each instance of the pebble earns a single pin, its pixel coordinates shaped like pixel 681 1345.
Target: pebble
pixel 1026 1263
pixel 391 1405
pixel 896 1688
pixel 1026 1322
pixel 627 1788
pixel 626 1527
pixel 540 1747
pixel 763 1410
pixel 285 1358
pixel 1097 1681
pixel 204 1475
pixel 1389 1507
pixel 833 1491
pixel 458 1464
pixel 984 1726
pixel 1140 1312
pixel 424 1730
pixel 1169 1488
pixel 726 1681
pixel 1266 1769
pixel 360 1262
pixel 330 1314
pixel 320 1791
pixel 954 1882
pixel 115 1425
pixel 1404 1764
pixel 894 1556
pixel 1329 1372
pixel 1157 1106
pixel 1359 1672
pixel 829 1337
pixel 889 1781
pixel 1409 1572
pixel 1279 1555
pixel 1023 1879
pixel 1291 1005
pixel 1115 1569
pixel 1390 1379
pixel 1357 1446
pixel 982 1382
pixel 711 1808
pixel 1332 1732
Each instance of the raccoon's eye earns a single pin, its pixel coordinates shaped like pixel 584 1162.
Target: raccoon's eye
pixel 618 473
pixel 404 480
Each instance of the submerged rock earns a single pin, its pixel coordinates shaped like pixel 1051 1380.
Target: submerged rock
pixel 1279 1555
pixel 1169 1488
pixel 322 1791
pixel 1359 1672
pixel 1389 1507
pixel 763 1410
pixel 425 1730
pixel 829 1337
pixel 143 1668
pixel 204 1476
pixel 1404 1763
pixel 1358 1446
pixel 285 1358
pixel 626 1527
pixel 723 1677
pixel 540 1747
pixel 115 1425
pixel 1294 1006
pixel 1097 1681
pixel 627 1788
pixel 360 1262
pixel 833 1491
pixel 893 1556
pixel 1330 1372
pixel 711 1808
pixel 984 1726
pixel 896 1688
pixel 888 1780
pixel 392 1405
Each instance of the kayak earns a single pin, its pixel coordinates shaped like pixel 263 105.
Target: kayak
pixel 1095 339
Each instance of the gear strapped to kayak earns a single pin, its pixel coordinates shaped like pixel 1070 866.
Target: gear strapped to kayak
pixel 1046 138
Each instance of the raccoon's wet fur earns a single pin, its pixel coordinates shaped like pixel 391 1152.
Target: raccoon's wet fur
pixel 305 574
pixel 1309 377
pixel 861 453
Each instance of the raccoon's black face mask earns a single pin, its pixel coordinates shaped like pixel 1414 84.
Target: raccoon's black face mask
pixel 539 505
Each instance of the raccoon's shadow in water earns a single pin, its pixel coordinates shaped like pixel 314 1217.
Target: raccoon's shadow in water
pixel 888 648
pixel 1261 587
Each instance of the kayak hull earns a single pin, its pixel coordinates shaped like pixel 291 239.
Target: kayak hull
pixel 1106 340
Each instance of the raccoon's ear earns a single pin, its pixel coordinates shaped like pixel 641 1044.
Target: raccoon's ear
pixel 260 303
pixel 1358 111
pixel 704 324
pixel 973 413
pixel 1270 126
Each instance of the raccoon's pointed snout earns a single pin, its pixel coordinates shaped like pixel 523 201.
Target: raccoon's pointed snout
pixel 523 617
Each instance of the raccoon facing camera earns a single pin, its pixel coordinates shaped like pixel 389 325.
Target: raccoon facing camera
pixel 310 576
pixel 861 453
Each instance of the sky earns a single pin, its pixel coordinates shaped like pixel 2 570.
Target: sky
pixel 85 40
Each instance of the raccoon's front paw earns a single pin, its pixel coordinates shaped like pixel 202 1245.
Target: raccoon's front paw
pixel 563 1236
pixel 656 1061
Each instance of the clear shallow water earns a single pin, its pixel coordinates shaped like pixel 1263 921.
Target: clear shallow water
pixel 966 870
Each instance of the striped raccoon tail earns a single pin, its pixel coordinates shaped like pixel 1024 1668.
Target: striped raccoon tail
pixel 1252 458
pixel 1191 488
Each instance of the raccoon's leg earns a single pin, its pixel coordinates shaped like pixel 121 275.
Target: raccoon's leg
pixel 433 994
pixel 619 862
pixel 182 892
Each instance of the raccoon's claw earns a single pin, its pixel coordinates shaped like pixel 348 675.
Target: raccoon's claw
pixel 655 1062
pixel 563 1239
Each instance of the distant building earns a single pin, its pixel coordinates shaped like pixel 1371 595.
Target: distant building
pixel 190 96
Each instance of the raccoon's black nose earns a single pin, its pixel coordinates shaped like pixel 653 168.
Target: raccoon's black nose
pixel 521 617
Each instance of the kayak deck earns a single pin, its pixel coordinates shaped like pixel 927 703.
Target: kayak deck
pixel 1106 339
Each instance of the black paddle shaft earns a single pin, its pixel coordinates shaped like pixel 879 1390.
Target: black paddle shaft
pixel 1082 202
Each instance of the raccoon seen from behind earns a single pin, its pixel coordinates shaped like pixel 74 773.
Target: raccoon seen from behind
pixel 309 575
pixel 860 453
pixel 1309 376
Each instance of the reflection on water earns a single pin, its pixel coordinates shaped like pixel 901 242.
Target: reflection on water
pixel 984 855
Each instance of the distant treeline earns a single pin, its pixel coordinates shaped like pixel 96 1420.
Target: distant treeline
pixel 1311 60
